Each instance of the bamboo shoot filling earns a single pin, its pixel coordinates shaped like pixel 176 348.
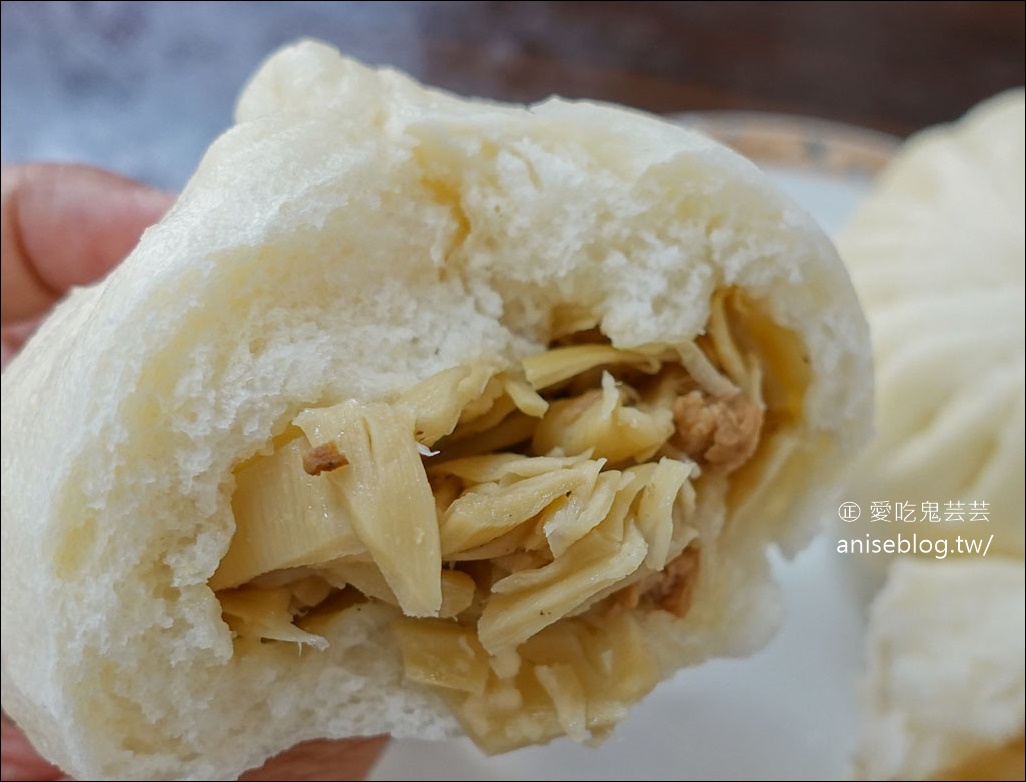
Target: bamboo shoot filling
pixel 517 518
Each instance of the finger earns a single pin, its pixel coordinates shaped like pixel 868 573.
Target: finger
pixel 65 225
pixel 18 760
pixel 13 336
pixel 322 759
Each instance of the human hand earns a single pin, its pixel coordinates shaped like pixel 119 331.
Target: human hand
pixel 63 226
pixel 66 225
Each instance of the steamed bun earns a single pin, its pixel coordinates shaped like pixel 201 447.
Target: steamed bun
pixel 417 415
pixel 936 253
pixel 944 688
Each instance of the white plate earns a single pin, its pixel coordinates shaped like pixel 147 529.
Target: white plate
pixel 791 711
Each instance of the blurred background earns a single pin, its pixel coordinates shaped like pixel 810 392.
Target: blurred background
pixel 144 87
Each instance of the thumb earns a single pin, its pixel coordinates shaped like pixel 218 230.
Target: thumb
pixel 65 225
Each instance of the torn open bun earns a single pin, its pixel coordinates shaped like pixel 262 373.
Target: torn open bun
pixel 416 414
